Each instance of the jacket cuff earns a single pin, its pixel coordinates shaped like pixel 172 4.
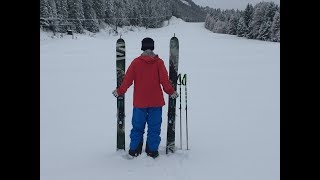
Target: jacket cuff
pixel 119 92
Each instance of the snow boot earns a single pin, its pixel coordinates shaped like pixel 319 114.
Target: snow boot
pixel 152 154
pixel 136 152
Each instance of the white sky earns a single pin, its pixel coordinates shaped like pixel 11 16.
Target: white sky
pixel 230 4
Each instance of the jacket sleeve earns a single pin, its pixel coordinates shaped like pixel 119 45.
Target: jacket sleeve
pixel 164 79
pixel 127 80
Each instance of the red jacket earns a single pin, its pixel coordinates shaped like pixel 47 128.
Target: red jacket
pixel 147 73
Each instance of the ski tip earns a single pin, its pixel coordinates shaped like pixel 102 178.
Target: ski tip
pixel 120 40
pixel 174 39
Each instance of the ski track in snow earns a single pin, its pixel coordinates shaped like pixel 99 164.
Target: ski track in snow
pixel 233 108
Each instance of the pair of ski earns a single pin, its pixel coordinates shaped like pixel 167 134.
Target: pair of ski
pixel 173 76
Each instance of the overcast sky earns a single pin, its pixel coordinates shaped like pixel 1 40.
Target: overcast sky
pixel 230 4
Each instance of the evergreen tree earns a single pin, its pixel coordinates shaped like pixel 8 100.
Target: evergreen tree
pixel 75 11
pixel 275 28
pixel 132 7
pixel 155 13
pixel 62 9
pixel 257 19
pixel 248 14
pixel 220 27
pixel 116 13
pixel 264 31
pixel 270 11
pixel 212 22
pixel 122 13
pixel 232 25
pixel 52 9
pixel 99 7
pixel 109 11
pixel 242 28
pixel 62 14
pixel 207 21
pixel 44 13
pixel 90 24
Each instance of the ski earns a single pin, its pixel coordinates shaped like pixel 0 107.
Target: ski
pixel 173 76
pixel 120 66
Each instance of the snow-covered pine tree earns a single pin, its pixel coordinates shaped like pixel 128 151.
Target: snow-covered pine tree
pixel 275 27
pixel 44 13
pixel 147 12
pixel 270 11
pixel 242 28
pixel 144 12
pixel 264 31
pixel 207 21
pixel 62 9
pixel 168 9
pixel 139 12
pixel 212 22
pixel 117 13
pixel 220 27
pixel 247 14
pixel 99 7
pixel 164 9
pixel 232 25
pixel 109 12
pixel 52 10
pixel 91 22
pixel 75 12
pixel 134 12
pixel 258 18
pixel 155 13
pixel 221 16
pixel 62 14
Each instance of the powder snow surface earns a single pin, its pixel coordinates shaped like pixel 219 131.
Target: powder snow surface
pixel 233 107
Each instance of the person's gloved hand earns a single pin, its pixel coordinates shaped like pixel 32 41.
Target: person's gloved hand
pixel 174 95
pixel 115 93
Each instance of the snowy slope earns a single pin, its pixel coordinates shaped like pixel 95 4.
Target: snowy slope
pixel 233 107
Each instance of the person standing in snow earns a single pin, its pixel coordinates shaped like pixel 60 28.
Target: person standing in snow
pixel 147 72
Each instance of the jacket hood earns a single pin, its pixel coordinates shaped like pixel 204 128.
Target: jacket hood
pixel 149 57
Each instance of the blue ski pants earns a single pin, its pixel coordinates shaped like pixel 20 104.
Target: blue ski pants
pixel 153 117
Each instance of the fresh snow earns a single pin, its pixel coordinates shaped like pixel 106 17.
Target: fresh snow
pixel 233 107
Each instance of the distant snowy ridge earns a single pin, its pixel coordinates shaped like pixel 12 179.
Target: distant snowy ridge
pixel 185 2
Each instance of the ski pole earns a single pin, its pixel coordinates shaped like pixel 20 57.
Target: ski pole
pixel 179 83
pixel 184 81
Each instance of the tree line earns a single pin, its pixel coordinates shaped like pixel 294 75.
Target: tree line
pixel 261 21
pixel 91 15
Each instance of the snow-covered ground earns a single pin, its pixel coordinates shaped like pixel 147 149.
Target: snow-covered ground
pixel 233 107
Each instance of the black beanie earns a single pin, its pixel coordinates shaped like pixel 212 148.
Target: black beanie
pixel 147 43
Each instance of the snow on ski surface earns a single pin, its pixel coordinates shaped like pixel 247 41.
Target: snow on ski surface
pixel 233 107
